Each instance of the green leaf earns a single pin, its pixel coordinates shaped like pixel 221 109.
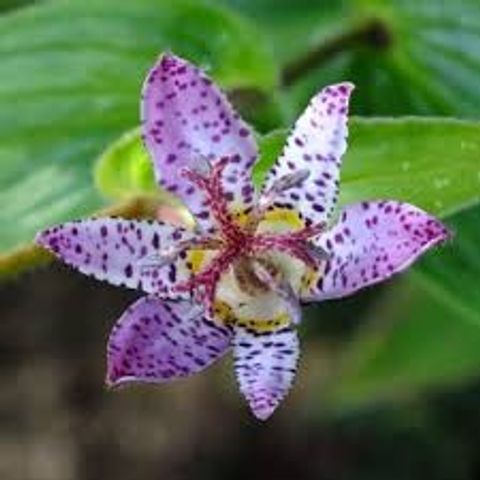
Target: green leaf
pixel 412 343
pixel 13 4
pixel 71 76
pixel 125 169
pixel 292 26
pixel 425 334
pixel 452 276
pixel 405 56
pixel 432 163
pixel 429 65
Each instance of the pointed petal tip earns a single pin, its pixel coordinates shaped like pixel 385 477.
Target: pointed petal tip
pixel 116 378
pixel 265 370
pixel 118 375
pixel 443 237
pixel 350 86
pixel 263 414
pixel 261 409
pixel 109 382
pixel 113 381
pixel 46 240
pixel 112 377
pixel 168 60
pixel 341 88
pixel 264 402
pixel 120 383
pixel 447 235
pixel 41 238
pixel 438 232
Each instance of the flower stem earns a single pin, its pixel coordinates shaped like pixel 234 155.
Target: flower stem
pixel 372 32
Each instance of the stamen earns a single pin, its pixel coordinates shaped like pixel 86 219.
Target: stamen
pixel 286 182
pixel 318 252
pixel 203 166
pixel 163 257
pixel 168 254
pixel 200 171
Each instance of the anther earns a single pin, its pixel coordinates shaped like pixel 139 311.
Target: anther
pixel 169 254
pixel 319 253
pixel 286 182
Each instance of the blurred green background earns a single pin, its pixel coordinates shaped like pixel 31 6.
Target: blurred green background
pixel 389 384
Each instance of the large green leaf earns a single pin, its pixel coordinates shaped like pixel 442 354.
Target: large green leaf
pixel 412 343
pixel 433 163
pixel 13 4
pixel 431 63
pixel 293 26
pixel 424 334
pixel 71 74
pixel 125 169
pixel 406 56
pixel 453 275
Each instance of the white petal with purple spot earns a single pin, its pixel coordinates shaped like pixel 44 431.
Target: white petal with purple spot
pixel 159 340
pixel 265 366
pixel 371 242
pixel 316 144
pixel 188 121
pixel 115 250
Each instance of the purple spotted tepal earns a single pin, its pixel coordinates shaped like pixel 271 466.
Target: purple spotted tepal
pixel 236 280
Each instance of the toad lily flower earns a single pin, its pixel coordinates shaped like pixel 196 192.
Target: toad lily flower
pixel 236 280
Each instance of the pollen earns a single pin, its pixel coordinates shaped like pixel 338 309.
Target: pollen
pixel 310 278
pixel 278 217
pixel 196 259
